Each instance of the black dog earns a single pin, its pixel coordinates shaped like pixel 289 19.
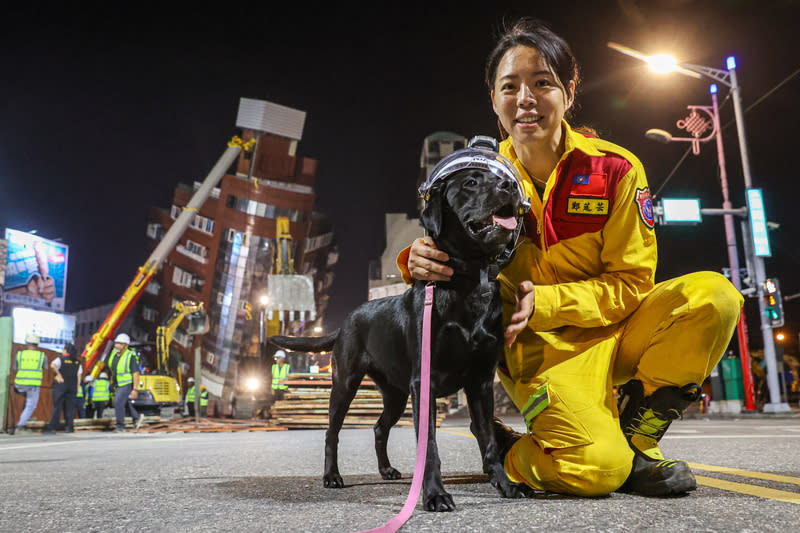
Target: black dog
pixel 472 216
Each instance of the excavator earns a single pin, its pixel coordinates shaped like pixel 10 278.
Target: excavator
pixel 158 389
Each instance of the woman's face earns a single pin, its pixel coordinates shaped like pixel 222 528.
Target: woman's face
pixel 528 98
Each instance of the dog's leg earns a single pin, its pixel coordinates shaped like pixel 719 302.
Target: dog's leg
pixel 434 497
pixel 394 404
pixel 342 393
pixel 480 398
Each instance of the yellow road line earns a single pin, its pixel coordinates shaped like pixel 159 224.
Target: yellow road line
pixel 752 490
pixel 732 486
pixel 456 432
pixel 745 473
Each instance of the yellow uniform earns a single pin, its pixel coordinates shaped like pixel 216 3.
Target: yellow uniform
pixel 599 319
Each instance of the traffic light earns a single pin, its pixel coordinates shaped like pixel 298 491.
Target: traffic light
pixel 773 301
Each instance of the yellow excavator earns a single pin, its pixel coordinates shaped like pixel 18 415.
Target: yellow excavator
pixel 158 389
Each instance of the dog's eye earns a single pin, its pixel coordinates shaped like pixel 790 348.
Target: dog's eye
pixel 470 183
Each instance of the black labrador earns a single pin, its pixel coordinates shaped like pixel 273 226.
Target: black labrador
pixel 472 216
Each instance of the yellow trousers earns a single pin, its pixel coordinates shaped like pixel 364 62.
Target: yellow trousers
pixel 575 445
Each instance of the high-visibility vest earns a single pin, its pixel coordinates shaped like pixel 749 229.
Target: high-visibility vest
pixel 122 368
pixel 30 368
pixel 203 396
pixel 101 392
pixel 79 392
pixel 279 373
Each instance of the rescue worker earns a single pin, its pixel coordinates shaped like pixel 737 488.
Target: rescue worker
pixel 30 364
pixel 66 382
pixel 580 302
pixel 280 371
pixel 124 366
pixel 88 386
pixel 100 394
pixel 190 398
pixel 81 399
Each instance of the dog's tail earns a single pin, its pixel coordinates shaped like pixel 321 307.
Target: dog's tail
pixel 306 344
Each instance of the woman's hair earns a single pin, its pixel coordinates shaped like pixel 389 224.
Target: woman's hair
pixel 71 349
pixel 531 32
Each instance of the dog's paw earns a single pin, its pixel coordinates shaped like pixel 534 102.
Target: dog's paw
pixel 515 490
pixel 509 489
pixel 441 502
pixel 390 473
pixel 332 481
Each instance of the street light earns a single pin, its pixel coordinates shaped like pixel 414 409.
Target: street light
pixel 697 125
pixel 728 78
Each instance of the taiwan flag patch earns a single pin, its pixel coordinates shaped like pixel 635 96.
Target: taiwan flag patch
pixel 591 184
pixel 645 205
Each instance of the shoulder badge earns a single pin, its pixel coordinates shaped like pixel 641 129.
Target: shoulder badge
pixel 645 205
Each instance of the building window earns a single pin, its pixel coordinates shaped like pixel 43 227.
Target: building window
pixel 184 278
pixel 149 314
pixel 259 209
pixel 155 231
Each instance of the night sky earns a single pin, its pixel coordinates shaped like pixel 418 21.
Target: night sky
pixel 104 110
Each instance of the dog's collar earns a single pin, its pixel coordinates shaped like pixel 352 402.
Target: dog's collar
pixel 485 272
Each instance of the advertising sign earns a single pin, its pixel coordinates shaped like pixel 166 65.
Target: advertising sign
pixel 54 329
pixel 36 271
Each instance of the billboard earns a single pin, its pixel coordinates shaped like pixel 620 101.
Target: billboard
pixel 54 329
pixel 36 271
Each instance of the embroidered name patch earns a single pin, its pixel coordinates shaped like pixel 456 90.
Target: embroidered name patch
pixel 645 205
pixel 587 206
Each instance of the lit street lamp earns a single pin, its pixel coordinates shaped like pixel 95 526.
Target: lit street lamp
pixel 728 78
pixel 697 125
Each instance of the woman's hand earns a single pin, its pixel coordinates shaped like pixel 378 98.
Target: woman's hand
pixel 522 312
pixel 425 261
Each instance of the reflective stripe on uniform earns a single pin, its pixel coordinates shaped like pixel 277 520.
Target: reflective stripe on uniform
pixel 537 402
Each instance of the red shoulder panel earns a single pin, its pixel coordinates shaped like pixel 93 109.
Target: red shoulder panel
pixel 583 196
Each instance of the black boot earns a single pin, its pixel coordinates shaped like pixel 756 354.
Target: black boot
pixel 504 435
pixel 644 421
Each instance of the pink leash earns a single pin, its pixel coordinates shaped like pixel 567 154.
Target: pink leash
pixel 422 438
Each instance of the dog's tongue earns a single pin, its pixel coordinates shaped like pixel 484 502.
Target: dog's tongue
pixel 510 223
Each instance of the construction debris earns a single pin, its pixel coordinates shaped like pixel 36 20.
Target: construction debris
pixel 208 425
pixel 305 404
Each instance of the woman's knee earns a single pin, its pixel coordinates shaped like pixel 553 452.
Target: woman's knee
pixel 596 469
pixel 711 292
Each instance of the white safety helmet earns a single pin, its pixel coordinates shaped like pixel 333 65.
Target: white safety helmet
pixel 103 375
pixel 123 338
pixel 190 380
pixel 32 338
pixel 280 354
pixel 88 379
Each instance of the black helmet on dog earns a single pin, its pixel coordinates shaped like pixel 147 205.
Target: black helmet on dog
pixel 481 152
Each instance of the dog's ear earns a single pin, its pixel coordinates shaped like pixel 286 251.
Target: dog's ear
pixel 431 215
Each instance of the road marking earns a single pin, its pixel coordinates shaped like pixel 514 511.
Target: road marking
pixel 38 445
pixel 752 490
pixel 456 432
pixel 732 486
pixel 59 443
pixel 746 473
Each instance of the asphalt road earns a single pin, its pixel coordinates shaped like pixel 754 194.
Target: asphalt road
pixel 748 471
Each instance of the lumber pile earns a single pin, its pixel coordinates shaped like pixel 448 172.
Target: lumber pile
pixel 305 404
pixel 206 425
